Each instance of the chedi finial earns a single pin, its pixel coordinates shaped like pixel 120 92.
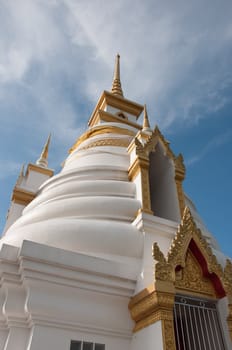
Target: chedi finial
pixel 43 159
pixel 116 85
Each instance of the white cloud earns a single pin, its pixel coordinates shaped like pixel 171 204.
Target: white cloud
pixel 168 51
pixel 57 56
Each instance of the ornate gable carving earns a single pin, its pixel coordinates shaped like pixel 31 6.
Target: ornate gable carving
pixel 150 145
pixel 188 234
pixel 181 261
pixel 157 135
pixel 139 148
pixel 163 269
pixel 191 279
pixel 182 270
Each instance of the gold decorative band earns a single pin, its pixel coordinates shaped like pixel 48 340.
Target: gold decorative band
pixel 150 306
pixel 99 130
pixel 106 142
pixel 21 196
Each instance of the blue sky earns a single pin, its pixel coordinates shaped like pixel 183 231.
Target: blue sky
pixel 56 57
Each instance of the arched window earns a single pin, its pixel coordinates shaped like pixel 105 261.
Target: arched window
pixel 121 115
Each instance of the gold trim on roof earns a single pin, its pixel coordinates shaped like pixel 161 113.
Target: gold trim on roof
pixel 118 102
pixel 114 118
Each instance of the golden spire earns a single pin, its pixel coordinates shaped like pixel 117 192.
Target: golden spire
pixel 116 86
pixel 146 124
pixel 43 159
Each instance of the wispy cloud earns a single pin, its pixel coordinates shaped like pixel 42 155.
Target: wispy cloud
pixel 57 56
pixel 213 144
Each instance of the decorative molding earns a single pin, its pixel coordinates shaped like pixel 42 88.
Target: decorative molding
pixel 140 149
pixel 179 165
pixel 150 306
pixel 166 144
pixel 140 166
pixel 163 269
pixel 107 98
pixel 229 319
pixel 106 142
pixel 113 118
pixel 179 178
pixel 123 104
pixel 22 197
pixel 168 334
pixel 38 169
pixel 151 143
pixel 100 130
pixel 227 279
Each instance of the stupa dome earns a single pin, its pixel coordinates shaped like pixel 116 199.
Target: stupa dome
pixel 91 205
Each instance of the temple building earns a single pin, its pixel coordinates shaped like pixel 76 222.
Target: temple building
pixel 110 253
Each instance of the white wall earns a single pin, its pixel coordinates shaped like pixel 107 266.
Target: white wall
pixel 149 338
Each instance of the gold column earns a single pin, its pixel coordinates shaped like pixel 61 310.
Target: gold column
pixel 140 166
pixel 179 177
pixel 227 280
pixel 152 305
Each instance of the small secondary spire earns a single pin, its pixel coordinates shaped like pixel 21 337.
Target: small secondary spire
pixel 146 123
pixel 43 159
pixel 116 85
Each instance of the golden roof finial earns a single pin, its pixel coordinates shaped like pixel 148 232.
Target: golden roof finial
pixel 43 159
pixel 146 124
pixel 116 86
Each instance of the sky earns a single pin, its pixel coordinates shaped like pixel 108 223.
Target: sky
pixel 57 56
